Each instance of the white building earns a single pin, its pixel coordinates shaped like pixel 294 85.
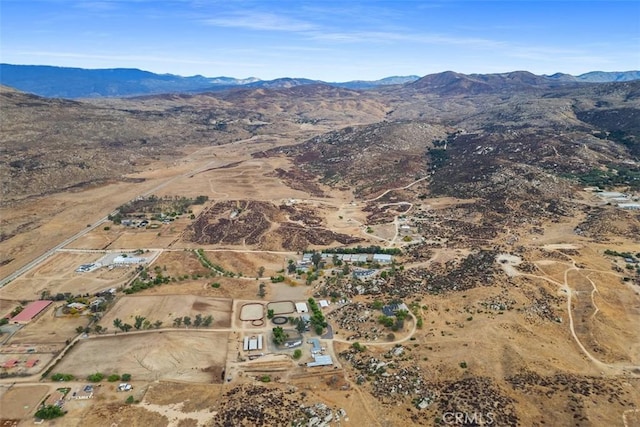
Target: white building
pixel 301 307
pixel 382 258
pixel 125 260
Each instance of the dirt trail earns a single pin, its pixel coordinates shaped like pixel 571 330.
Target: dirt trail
pixel 610 368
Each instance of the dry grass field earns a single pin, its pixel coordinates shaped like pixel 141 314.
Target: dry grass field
pixel 20 401
pixel 167 307
pixel 548 331
pixel 57 275
pixel 178 263
pixel 192 356
pixel 47 328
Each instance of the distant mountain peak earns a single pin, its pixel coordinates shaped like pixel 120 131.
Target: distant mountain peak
pixel 66 82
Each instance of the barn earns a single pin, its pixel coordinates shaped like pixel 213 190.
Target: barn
pixel 31 311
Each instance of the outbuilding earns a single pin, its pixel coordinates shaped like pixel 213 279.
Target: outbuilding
pixel 301 307
pixel 31 311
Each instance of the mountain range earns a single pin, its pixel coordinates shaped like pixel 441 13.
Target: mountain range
pixel 65 82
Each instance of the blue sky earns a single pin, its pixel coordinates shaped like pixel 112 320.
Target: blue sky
pixel 327 40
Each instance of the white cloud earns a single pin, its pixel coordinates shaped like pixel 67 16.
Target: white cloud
pixel 261 21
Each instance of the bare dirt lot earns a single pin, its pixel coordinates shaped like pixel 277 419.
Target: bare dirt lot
pixel 20 401
pixel 183 356
pixel 167 307
pixel 49 329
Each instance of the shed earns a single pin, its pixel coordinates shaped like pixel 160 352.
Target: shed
pixel 11 363
pixel 301 307
pixel 31 363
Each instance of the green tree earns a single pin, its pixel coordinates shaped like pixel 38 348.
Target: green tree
pixel 61 377
pixel 49 412
pixel 358 347
pixel 270 314
pixel 157 324
pixel 279 336
pixel 316 257
pixel 300 326
pixel 96 378
pixel 187 321
pixel 177 322
pixel 297 354
pixel 126 327
pixel 401 314
pixel 138 322
pixel 126 377
pixel 291 267
pixel 346 270
pixel 117 323
pixel 207 321
pixel 113 378
pixel 197 322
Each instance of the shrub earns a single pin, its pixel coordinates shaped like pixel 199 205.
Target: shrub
pixel 130 400
pixel 297 354
pixel 113 378
pixel 49 412
pixel 358 347
pixel 265 378
pixel 463 365
pixel 62 377
pixel 96 378
pixel 126 377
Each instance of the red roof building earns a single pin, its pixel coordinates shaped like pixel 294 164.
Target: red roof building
pixel 31 311
pixel 31 363
pixel 11 363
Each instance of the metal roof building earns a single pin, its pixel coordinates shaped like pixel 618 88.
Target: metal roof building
pixel 384 258
pixel 320 360
pixel 31 311
pixel 315 342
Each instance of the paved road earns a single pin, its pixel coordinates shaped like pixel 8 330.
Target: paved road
pixel 50 252
pixel 102 220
